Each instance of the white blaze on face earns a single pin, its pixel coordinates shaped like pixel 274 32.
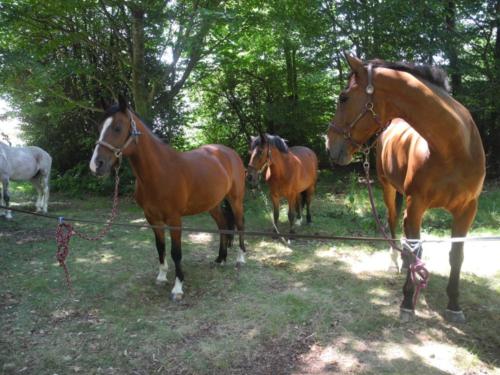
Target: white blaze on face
pixel 106 125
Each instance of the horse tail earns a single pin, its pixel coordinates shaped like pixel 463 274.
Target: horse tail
pixel 399 203
pixel 227 210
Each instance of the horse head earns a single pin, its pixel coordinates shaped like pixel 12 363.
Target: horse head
pixel 118 136
pixel 260 158
pixel 356 118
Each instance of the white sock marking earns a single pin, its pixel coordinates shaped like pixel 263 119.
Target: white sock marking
pixel 162 273
pixel 241 257
pixel 177 287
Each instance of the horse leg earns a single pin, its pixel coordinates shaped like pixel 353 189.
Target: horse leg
pixel 412 222
pixel 160 247
pixel 45 192
pixel 298 208
pixel 275 200
pixel 309 195
pixel 6 197
pixel 462 220
pixel 37 184
pixel 392 216
pixel 239 218
pixel 219 218
pixel 176 253
pixel 292 199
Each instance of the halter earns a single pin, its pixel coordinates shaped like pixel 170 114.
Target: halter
pixel 134 133
pixel 367 108
pixel 267 162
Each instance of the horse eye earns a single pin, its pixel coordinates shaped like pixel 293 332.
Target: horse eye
pixel 343 98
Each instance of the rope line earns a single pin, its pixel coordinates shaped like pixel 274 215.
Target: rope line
pixel 254 233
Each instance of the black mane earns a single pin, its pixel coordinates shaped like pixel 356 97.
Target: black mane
pixel 274 140
pixel 432 74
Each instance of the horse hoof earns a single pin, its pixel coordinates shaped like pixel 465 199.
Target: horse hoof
pixel 454 316
pixel 161 281
pixel 406 315
pixel 176 297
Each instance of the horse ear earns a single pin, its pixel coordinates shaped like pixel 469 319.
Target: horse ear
pixel 122 103
pixel 355 63
pixel 262 138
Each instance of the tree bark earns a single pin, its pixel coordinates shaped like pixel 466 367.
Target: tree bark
pixel 139 85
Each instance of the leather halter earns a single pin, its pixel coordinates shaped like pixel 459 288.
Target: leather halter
pixel 346 132
pixel 134 133
pixel 267 163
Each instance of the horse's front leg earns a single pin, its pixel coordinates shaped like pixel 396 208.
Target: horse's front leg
pixel 292 201
pixel 275 200
pixel 412 222
pixel 160 247
pixel 175 237
pixel 462 220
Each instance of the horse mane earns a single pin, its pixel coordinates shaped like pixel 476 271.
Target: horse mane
pixel 429 73
pixel 273 140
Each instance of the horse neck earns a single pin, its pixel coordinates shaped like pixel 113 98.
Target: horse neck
pixel 278 163
pixel 443 122
pixel 149 156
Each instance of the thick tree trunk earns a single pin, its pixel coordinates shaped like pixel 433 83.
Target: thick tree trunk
pixel 456 76
pixel 139 86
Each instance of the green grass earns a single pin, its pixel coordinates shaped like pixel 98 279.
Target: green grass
pixel 290 309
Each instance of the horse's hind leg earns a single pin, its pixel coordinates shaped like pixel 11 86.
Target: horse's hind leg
pixel 308 198
pixel 37 184
pixel 462 220
pixel 45 192
pixel 218 216
pixel 6 197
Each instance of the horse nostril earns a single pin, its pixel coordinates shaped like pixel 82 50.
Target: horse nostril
pixel 99 163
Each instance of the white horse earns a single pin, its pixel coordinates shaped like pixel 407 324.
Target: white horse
pixel 23 164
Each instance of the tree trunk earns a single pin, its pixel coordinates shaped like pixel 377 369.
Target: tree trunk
pixel 456 76
pixel 139 87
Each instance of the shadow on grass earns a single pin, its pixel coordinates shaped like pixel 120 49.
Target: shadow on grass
pixel 296 310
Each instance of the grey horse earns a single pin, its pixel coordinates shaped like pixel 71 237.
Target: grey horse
pixel 25 164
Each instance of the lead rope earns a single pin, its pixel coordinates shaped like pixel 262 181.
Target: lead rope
pixel 418 272
pixel 65 231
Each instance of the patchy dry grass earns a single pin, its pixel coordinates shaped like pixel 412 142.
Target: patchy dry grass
pixel 308 308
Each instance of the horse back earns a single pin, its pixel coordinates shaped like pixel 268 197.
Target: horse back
pixel 306 165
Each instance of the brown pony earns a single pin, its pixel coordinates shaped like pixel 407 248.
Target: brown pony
pixel 172 184
pixel 438 161
pixel 289 172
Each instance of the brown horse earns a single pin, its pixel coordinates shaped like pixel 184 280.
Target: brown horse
pixel 437 162
pixel 172 184
pixel 289 172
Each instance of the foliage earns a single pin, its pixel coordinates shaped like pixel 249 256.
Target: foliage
pixel 219 71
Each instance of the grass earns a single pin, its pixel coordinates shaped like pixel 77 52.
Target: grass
pixel 311 307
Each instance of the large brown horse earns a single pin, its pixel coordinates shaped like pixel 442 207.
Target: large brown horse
pixel 437 162
pixel 289 172
pixel 172 184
